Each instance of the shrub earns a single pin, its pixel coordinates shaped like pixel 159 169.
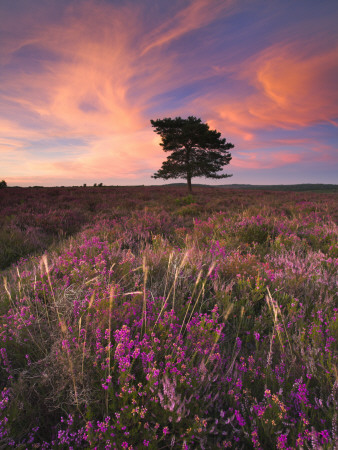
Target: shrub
pixel 187 200
pixel 151 330
pixel 192 209
pixel 14 245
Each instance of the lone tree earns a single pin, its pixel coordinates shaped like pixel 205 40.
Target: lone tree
pixel 3 184
pixel 196 150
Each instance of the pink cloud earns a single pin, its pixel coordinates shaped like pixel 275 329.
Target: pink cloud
pixel 294 87
pixel 255 160
pixel 197 14
pixel 105 67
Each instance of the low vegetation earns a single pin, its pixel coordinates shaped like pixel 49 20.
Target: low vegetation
pixel 146 318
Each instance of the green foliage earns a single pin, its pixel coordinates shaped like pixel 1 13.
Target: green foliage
pixel 187 200
pixel 3 184
pixel 191 209
pixel 196 151
pixel 254 233
pixel 152 330
pixel 14 245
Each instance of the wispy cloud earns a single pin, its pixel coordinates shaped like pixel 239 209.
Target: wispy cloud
pixel 79 81
pixel 195 15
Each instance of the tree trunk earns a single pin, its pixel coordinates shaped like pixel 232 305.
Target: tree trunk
pixel 187 162
pixel 189 184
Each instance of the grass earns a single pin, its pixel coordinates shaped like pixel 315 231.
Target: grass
pixel 161 320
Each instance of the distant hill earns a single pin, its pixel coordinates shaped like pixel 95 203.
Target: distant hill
pixel 319 187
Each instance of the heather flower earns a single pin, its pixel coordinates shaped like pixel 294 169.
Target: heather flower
pixel 282 441
pixel 238 343
pixel 255 440
pixel 257 335
pixel 210 349
pixel 239 418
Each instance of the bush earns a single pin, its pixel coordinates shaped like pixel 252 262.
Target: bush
pixel 151 330
pixel 191 209
pixel 187 200
pixel 14 245
pixel 3 184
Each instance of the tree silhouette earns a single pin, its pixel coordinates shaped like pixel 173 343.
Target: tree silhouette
pixel 196 151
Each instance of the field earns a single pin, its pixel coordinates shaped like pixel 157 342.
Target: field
pixel 135 318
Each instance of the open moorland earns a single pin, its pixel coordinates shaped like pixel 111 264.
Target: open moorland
pixel 135 318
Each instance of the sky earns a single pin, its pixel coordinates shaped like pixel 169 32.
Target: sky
pixel 81 79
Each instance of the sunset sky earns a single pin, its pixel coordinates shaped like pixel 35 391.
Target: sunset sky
pixel 81 79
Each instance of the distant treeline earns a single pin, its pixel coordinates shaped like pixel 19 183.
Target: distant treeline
pixel 324 188
pixel 273 187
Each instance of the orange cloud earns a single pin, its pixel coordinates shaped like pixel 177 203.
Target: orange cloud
pixel 95 80
pixel 100 57
pixel 301 87
pixel 80 92
pixel 294 87
pixel 197 14
pixel 262 160
pixel 95 73
pixel 83 90
pixel 117 155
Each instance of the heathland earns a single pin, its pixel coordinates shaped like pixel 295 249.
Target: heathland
pixel 148 318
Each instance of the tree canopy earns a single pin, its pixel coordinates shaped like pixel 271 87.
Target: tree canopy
pixel 196 150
